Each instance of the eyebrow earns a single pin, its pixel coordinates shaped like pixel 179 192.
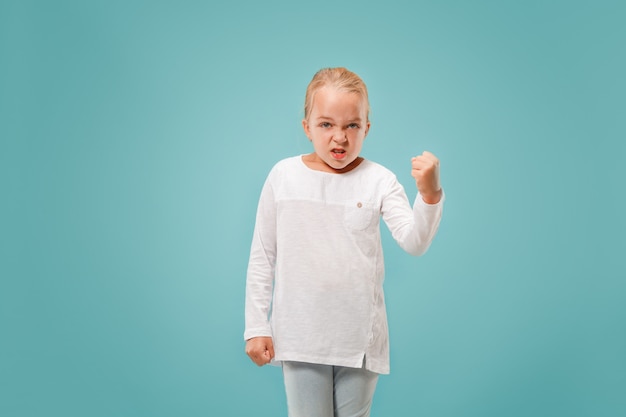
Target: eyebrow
pixel 358 119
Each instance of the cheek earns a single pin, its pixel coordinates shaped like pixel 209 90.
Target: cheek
pixel 357 134
pixel 324 135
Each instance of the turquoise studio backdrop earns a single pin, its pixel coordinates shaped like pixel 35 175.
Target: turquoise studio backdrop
pixel 136 136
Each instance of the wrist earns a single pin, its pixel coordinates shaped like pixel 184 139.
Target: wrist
pixel 432 198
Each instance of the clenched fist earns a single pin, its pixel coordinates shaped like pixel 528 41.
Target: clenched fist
pixel 426 173
pixel 260 350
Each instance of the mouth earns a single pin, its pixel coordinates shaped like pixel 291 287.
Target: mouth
pixel 338 153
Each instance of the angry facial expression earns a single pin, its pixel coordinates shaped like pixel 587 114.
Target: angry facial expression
pixel 337 126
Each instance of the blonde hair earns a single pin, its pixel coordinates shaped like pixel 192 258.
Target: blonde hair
pixel 340 78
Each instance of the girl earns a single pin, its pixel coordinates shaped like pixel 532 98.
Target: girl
pixel 316 255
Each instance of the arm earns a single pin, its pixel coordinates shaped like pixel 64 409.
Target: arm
pixel 414 228
pixel 259 281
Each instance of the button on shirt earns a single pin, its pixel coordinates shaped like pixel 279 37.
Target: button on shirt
pixel 316 261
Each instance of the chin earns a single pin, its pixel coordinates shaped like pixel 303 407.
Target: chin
pixel 342 166
pixel 338 164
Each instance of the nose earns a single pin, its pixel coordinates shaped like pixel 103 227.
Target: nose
pixel 339 136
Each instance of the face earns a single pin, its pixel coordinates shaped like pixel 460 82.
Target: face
pixel 337 126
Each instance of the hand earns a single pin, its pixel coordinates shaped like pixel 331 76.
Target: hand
pixel 426 173
pixel 260 350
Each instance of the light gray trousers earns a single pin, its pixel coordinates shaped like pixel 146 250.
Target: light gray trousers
pixel 328 391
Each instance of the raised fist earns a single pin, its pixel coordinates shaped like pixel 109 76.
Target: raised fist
pixel 425 170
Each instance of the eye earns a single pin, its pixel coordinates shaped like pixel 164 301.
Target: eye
pixel 325 124
pixel 353 126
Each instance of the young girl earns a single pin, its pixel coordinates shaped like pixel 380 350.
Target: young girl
pixel 316 255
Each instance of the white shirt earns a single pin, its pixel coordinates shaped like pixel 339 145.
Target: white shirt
pixel 316 258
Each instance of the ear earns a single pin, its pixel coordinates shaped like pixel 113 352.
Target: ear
pixel 367 129
pixel 305 126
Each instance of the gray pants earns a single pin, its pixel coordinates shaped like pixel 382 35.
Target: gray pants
pixel 328 391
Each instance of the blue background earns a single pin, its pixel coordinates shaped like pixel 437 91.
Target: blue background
pixel 135 138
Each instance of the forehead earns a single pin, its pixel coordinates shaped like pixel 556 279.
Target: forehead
pixel 329 101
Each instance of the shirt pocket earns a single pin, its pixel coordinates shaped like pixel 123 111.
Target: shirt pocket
pixel 359 215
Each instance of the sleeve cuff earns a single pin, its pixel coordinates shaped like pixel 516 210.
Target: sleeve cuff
pixel 420 201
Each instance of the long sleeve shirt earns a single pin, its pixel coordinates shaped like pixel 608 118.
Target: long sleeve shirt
pixel 315 274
